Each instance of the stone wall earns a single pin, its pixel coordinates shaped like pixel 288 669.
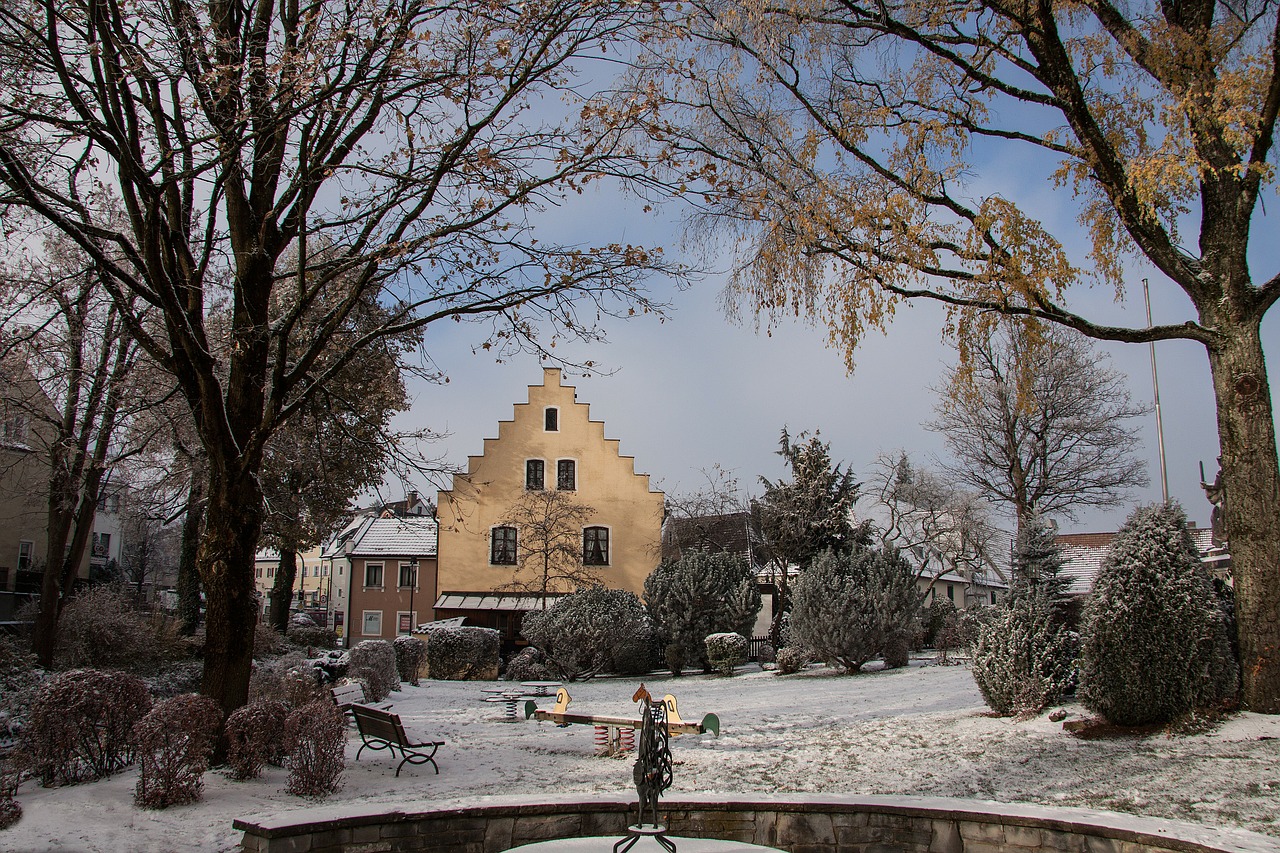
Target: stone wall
pixel 798 824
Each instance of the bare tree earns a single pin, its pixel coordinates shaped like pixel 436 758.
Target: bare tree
pixel 944 528
pixel 416 142
pixel 1041 427
pixel 841 142
pixel 549 547
pixel 149 547
pixel 88 387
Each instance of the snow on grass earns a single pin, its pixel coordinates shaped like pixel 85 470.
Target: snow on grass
pixel 920 731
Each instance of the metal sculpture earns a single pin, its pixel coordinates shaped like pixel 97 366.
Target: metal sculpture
pixel 652 773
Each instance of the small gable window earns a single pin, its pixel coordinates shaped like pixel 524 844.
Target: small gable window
pixel 552 420
pixel 595 546
pixel 535 475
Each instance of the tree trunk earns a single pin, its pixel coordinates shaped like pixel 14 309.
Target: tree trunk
pixel 282 588
pixel 1251 477
pixel 70 526
pixel 188 573
pixel 233 522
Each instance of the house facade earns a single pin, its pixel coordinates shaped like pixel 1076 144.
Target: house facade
pixel 311 582
pixel 382 576
pixel 553 448
pixel 1083 553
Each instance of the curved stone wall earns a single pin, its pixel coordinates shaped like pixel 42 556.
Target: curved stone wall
pixel 808 823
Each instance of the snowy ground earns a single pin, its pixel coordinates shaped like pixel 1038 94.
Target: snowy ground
pixel 920 731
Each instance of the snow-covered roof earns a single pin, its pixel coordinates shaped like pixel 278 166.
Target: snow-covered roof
pixel 1083 553
pixel 412 536
pixel 483 601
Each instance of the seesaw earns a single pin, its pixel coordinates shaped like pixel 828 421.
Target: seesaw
pixel 617 734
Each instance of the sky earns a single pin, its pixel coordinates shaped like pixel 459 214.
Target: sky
pixel 697 390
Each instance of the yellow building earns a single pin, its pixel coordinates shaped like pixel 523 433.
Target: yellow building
pixel 550 458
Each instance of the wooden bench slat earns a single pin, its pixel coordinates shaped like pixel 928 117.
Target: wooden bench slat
pixel 381 729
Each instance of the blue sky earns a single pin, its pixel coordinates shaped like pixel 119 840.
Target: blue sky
pixel 697 391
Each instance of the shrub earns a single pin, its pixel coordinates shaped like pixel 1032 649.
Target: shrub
pixel 462 653
pixel 581 632
pixel 374 662
pixel 936 618
pixel 527 665
pixel 700 594
pixel 1023 661
pixel 315 737
pixel 81 725
pixel 897 647
pixel 175 678
pixel 102 628
pixel 20 679
pixel 791 660
pixel 639 654
pixel 267 641
pixel 411 653
pixel 291 678
pixel 311 636
pixel 768 654
pixel 1155 641
pixel 844 607
pixel 255 736
pixel 726 650
pixel 174 742
pixel 10 808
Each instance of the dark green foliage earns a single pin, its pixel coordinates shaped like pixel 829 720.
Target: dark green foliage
pixel 580 633
pixel 463 653
pixel 1155 639
pixel 698 595
pixel 846 607
pixel 1024 655
pixel 937 616
pixel 801 519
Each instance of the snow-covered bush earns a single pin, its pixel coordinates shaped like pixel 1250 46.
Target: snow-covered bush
pixel 255 736
pixel 527 665
pixel 174 742
pixel 1024 659
pixel 845 606
pixel 1155 642
pixel 726 650
pixel 768 654
pixel 20 679
pixel 81 725
pixel 897 646
pixel 411 653
pixel 463 653
pixel 580 633
pixel 935 621
pixel 315 737
pixel 791 659
pixel 267 641
pixel 102 628
pixel 700 594
pixel 176 678
pixel 291 678
pixel 311 636
pixel 10 808
pixel 299 619
pixel 374 661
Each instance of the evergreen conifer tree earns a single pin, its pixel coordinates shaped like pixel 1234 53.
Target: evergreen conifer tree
pixel 1155 640
pixel 698 595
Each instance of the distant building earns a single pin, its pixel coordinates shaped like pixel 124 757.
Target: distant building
pixel 726 533
pixel 551 443
pixel 1083 554
pixel 310 583
pixel 382 573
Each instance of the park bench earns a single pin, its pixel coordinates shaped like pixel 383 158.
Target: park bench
pixel 383 730
pixel 346 695
pixel 616 734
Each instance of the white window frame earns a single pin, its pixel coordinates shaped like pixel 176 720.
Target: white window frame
pixel 413 621
pixel 527 487
pixel 406 564
pixel 364 622
pixel 382 566
pixel 26 554
pixel 515 561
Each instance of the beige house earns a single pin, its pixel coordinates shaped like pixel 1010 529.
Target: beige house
pixel 551 445
pixel 384 583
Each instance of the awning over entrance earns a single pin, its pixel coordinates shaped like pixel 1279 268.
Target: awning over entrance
pixel 480 601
